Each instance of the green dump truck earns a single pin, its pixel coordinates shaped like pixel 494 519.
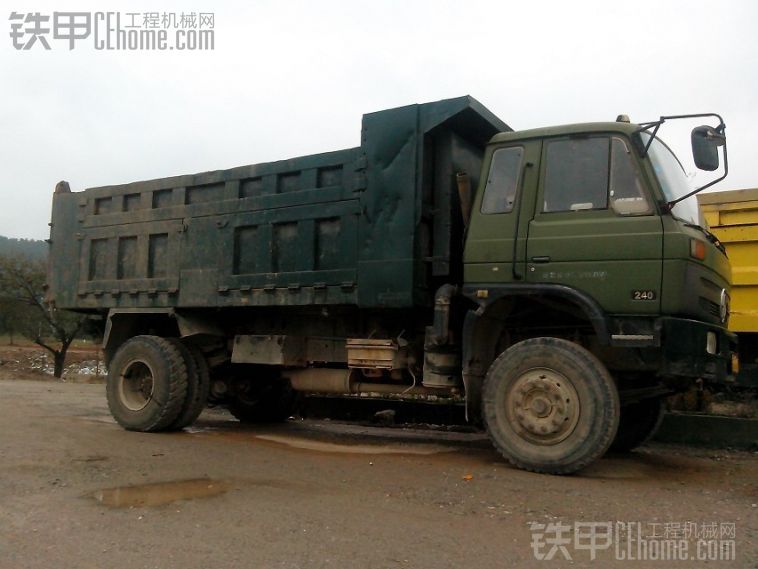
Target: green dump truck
pixel 556 282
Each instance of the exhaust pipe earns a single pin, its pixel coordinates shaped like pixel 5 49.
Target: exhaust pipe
pixel 344 381
pixel 438 334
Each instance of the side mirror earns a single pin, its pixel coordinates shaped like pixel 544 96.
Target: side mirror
pixel 705 143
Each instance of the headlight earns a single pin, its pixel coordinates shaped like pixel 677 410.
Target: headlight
pixel 724 306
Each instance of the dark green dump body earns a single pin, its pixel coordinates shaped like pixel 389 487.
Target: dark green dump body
pixel 373 226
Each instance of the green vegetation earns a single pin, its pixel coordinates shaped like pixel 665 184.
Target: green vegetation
pixel 29 248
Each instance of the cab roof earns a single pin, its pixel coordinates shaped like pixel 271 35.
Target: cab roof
pixel 565 130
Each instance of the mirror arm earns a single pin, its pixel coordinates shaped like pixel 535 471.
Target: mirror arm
pixel 657 124
pixel 648 126
pixel 652 138
pixel 667 207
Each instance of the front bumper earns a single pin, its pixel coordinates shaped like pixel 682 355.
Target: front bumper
pixel 690 348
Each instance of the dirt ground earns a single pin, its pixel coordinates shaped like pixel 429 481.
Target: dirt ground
pixel 76 491
pixel 23 360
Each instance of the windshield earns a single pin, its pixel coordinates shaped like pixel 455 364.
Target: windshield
pixel 673 180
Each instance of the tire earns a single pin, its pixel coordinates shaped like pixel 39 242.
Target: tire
pixel 550 406
pixel 147 384
pixel 263 402
pixel 639 422
pixel 198 385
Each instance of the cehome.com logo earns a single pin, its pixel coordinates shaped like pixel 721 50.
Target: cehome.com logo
pixel 109 31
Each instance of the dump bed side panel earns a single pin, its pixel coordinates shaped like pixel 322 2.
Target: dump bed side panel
pixel 276 233
pixel 373 226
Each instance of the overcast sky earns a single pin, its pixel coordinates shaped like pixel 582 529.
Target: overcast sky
pixel 288 78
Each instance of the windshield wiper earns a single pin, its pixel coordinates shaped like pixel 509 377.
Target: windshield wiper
pixel 710 236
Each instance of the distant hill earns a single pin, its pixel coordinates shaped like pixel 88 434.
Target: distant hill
pixel 31 248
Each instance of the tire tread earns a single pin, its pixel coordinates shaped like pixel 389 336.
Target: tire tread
pixel 607 428
pixel 170 409
pixel 198 385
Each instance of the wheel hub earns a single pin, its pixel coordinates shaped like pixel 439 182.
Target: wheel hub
pixel 543 406
pixel 136 385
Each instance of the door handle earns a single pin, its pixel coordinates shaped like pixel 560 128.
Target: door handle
pixel 544 259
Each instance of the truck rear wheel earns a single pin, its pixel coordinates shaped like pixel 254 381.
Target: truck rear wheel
pixel 639 422
pixel 550 406
pixel 147 384
pixel 198 385
pixel 263 401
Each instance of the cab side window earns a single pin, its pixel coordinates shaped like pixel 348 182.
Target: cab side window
pixel 577 174
pixel 503 180
pixel 592 173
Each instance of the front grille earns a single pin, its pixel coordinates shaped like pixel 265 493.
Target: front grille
pixel 708 283
pixel 710 307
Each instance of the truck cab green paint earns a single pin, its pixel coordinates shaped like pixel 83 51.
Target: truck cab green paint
pixel 607 254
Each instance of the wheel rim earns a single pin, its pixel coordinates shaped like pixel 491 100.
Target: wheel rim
pixel 245 393
pixel 136 385
pixel 542 406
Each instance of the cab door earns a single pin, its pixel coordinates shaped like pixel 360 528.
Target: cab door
pixel 594 226
pixel 495 249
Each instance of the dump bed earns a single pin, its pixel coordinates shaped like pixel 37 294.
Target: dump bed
pixel 733 217
pixel 375 226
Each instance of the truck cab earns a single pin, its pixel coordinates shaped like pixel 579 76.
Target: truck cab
pixel 578 207
pixel 574 234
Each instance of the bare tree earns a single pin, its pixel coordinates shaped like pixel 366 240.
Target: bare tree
pixel 22 289
pixel 7 320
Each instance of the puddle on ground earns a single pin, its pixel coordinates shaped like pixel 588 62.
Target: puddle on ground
pixel 160 493
pixel 320 446
pixel 98 419
pixel 192 429
pixel 646 465
pixel 93 458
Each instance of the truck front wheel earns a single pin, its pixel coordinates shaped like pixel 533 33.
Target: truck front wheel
pixel 639 422
pixel 147 384
pixel 550 406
